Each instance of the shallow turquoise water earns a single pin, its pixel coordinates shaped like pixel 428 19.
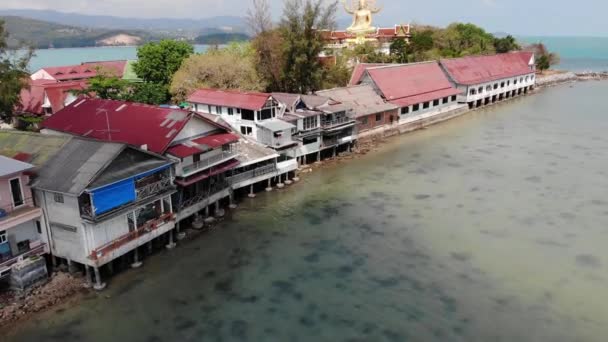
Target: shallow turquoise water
pixel 491 227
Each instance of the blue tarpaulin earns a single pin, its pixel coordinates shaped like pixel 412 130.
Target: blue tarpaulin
pixel 113 196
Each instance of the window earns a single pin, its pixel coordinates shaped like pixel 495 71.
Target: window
pixel 311 122
pixel 515 81
pixel 426 105
pixel 480 90
pixel 38 227
pixel 378 117
pixel 521 80
pixel 218 109
pixel 416 107
pixel 247 114
pixel 445 100
pixel 265 114
pixel 246 130
pixel 230 111
pixel 58 198
pixel 405 110
pixel 502 85
pixel 196 158
pixel 209 109
pixel 308 141
pixel 472 92
pixel 3 238
pixel 435 103
pixel 489 88
pixel 453 98
pixel 17 195
pixel 495 86
pixel 508 83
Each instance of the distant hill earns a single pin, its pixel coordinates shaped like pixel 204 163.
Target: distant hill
pixel 221 38
pixel 223 23
pixel 42 34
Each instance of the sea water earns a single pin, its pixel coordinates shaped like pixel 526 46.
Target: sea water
pixel 490 227
pixel 576 53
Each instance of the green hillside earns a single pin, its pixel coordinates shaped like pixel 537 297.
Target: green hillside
pixel 42 34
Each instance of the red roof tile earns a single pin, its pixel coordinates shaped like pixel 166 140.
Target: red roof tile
pixel 230 98
pixel 32 99
pixel 412 83
pixel 119 121
pixel 203 144
pixel 86 70
pixel 481 69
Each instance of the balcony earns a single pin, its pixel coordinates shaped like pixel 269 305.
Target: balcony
pixel 343 121
pixel 12 215
pixel 251 174
pixel 37 248
pixel 208 162
pixel 147 229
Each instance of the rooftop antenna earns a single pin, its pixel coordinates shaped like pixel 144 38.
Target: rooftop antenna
pixel 108 130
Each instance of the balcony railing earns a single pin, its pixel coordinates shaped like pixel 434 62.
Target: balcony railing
pixel 214 189
pixel 36 251
pixel 123 240
pixel 208 162
pixel 154 188
pixel 9 209
pixel 337 122
pixel 260 171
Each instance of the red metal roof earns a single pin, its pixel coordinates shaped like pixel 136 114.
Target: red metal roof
pixel 412 83
pixel 32 99
pixel 86 70
pixel 119 121
pixel 203 144
pixel 481 69
pixel 230 98
pixel 359 70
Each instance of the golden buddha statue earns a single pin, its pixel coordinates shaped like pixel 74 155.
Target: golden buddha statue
pixel 362 11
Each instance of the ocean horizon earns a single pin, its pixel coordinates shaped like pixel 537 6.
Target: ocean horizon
pixel 577 53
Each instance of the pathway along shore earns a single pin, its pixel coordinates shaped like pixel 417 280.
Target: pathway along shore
pixel 61 286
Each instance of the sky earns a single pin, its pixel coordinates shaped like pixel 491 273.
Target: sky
pixel 519 17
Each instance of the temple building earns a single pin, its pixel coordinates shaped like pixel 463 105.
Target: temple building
pixel 361 30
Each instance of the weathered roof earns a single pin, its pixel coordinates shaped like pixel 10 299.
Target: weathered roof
pixel 251 152
pixel 127 122
pixel 86 70
pixel 73 168
pixel 362 98
pixel 289 100
pixel 359 70
pixel 33 148
pixel 409 84
pixel 315 101
pixel 230 98
pixel 480 69
pixel 9 166
pixel 274 125
pixel 202 144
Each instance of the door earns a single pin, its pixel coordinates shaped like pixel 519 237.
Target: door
pixel 16 192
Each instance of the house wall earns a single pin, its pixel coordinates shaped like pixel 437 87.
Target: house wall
pixel 509 85
pixel 370 121
pixel 22 232
pixel 6 198
pixel 41 75
pixel 409 112
pixel 195 127
pixel 266 137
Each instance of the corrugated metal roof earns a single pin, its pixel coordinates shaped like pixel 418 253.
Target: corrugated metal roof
pixel 86 70
pixel 230 98
pixel 39 147
pixel 362 98
pixel 73 168
pixel 9 166
pixel 203 144
pixel 480 69
pixel 412 83
pixel 359 70
pixel 119 121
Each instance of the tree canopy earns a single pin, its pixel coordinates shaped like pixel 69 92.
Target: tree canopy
pixel 232 67
pixel 13 74
pixel 157 62
pixel 109 87
pixel 544 59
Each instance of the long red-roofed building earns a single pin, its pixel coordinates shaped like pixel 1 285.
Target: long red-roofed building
pixel 487 79
pixel 82 71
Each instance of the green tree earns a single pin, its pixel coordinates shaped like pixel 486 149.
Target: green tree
pixel 13 74
pixel 544 58
pixel 149 93
pixel 398 50
pixel 109 87
pixel 506 44
pixel 232 67
pixel 157 62
pixel 300 25
pixel 460 39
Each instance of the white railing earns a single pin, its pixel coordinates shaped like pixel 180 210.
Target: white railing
pixel 260 171
pixel 208 162
pixel 337 122
pixel 154 188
